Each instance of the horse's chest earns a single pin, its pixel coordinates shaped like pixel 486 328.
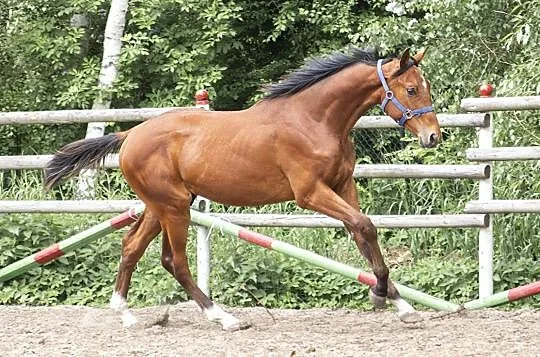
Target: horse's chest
pixel 339 172
pixel 336 166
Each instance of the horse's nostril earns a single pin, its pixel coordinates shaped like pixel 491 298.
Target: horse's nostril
pixel 433 139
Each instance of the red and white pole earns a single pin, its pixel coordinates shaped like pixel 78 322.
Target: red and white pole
pixel 70 244
pixel 514 294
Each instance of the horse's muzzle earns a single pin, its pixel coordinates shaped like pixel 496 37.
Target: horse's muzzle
pixel 429 139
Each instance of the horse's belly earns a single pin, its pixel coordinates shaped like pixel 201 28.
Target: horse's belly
pixel 245 197
pixel 240 186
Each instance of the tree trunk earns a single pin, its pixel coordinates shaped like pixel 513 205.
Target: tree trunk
pixel 112 46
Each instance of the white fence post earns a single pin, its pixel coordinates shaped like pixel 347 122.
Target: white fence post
pixel 485 193
pixel 203 249
pixel 203 233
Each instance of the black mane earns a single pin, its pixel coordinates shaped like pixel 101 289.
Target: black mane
pixel 318 69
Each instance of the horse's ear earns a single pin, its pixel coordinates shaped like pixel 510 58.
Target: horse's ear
pixel 405 58
pixel 418 57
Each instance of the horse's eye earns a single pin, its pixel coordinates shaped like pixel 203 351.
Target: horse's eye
pixel 411 91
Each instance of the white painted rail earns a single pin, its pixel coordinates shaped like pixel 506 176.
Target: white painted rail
pixel 141 114
pixel 504 153
pixel 380 221
pixel 67 206
pixel 491 104
pixel 445 121
pixel 503 206
pixel 85 116
pixel 252 220
pixel 25 162
pixel 423 171
pixel 480 171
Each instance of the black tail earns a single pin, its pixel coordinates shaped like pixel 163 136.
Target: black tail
pixel 82 154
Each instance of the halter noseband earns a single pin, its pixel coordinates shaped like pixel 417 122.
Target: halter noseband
pixel 389 96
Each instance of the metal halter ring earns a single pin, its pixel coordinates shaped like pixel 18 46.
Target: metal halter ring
pixel 409 114
pixel 389 94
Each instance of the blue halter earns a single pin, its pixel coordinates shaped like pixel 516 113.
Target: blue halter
pixel 407 113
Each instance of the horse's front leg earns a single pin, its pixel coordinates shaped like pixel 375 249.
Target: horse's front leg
pixel 321 198
pixel 406 312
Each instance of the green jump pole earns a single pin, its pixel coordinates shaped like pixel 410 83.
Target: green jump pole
pixel 74 242
pixel 58 249
pixel 505 296
pixel 317 260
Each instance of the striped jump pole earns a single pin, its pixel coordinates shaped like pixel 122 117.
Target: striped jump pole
pixel 74 242
pixel 317 260
pixel 58 249
pixel 504 296
pixel 70 244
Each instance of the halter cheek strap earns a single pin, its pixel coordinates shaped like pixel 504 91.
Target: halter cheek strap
pixel 389 97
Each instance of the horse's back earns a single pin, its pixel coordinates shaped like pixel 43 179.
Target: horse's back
pixel 229 157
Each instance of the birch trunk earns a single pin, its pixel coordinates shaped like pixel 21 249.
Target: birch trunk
pixel 112 45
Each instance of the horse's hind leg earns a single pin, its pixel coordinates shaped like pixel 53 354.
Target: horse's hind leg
pixel 166 254
pixel 182 273
pixel 134 244
pixel 175 219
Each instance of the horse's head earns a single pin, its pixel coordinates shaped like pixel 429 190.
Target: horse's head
pixel 407 98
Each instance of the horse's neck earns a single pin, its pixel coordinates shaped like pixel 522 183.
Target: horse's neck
pixel 339 100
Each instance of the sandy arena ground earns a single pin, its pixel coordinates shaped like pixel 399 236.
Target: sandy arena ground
pixel 85 331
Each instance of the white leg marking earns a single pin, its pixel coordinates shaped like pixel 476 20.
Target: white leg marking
pixel 119 304
pixel 406 312
pixel 228 321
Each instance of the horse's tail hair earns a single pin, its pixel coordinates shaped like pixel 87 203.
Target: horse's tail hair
pixel 79 155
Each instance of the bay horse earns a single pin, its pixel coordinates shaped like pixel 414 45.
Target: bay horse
pixel 292 145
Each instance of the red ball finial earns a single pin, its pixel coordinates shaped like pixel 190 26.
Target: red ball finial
pixel 485 90
pixel 201 97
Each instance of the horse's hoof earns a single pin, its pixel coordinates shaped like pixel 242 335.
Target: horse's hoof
pixel 128 319
pixel 410 317
pixel 236 326
pixel 379 302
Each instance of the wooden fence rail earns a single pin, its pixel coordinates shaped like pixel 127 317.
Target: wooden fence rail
pixel 504 153
pixel 503 206
pixel 482 171
pixel 491 104
pixel 141 114
pixel 84 116
pixel 471 120
pixel 29 162
pixel 252 220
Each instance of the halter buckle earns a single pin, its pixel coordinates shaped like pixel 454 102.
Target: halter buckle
pixel 408 114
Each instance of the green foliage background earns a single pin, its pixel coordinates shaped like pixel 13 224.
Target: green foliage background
pixel 172 48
